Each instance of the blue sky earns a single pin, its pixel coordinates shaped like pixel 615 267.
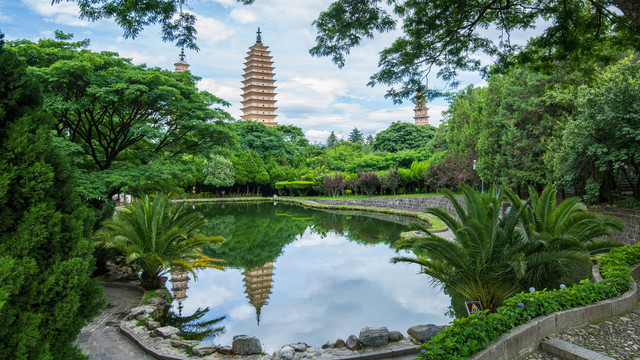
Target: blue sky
pixel 312 92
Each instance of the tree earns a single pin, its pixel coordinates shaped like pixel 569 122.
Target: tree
pixel 368 182
pixel 355 136
pixel 249 169
pixel 602 140
pixel 493 254
pixel 403 136
pixel 122 117
pixel 263 139
pixel 219 171
pixel 157 236
pixel 369 140
pixel 447 36
pixel 332 140
pixel 46 293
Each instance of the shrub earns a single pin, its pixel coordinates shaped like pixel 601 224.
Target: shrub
pixel 299 188
pixel 334 185
pixel 466 336
pixel 368 182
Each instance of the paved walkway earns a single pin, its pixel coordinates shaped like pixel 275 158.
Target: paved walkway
pixel 617 337
pixel 101 339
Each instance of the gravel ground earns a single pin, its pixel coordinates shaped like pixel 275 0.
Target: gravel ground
pixel 618 338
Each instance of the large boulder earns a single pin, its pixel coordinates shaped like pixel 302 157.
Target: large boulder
pixel 203 349
pixel 339 344
pixel 395 336
pixel 374 336
pixel 287 353
pixel 246 345
pixel 423 333
pixel 353 343
pixel 167 332
pixel 299 347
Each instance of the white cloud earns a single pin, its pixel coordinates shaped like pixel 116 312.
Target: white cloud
pixel 317 136
pixel 140 58
pixel 243 16
pixel 211 30
pixel 66 13
pixel 5 18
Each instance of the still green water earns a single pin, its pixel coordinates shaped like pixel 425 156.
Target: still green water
pixel 302 275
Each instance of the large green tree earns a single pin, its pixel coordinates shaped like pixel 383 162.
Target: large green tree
pixel 403 136
pixel 46 293
pixel 123 119
pixel 601 144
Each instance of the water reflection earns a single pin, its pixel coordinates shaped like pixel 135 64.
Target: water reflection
pixel 333 277
pixel 257 284
pixel 194 327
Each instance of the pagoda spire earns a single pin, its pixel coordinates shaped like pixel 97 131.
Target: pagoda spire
pixel 181 65
pixel 258 98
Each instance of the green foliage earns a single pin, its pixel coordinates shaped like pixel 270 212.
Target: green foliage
pixel 466 336
pixel 445 35
pixel 127 121
pixel 603 138
pixel 46 293
pixel 403 136
pixel 157 236
pixel 494 255
pixel 218 171
pixel 297 188
pixel 332 140
pixel 355 136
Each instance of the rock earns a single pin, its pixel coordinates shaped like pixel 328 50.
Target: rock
pixel 423 333
pixel 225 350
pixel 339 344
pixel 157 301
pixel 135 312
pixel 395 336
pixel 203 349
pixel 165 332
pixel 246 345
pixel 184 344
pixel 152 325
pixel 374 336
pixel 287 353
pixel 299 347
pixel 353 343
pixel 325 346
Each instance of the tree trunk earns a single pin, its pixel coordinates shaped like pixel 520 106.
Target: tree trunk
pixel 150 281
pixel 631 9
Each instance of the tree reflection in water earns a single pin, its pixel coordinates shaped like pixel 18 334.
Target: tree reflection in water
pixel 192 327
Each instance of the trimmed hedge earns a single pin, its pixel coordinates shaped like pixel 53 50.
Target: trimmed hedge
pixel 467 336
pixel 299 188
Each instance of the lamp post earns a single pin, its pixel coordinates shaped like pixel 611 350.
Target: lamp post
pixel 474 168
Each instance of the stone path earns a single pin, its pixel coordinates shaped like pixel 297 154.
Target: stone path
pixel 101 339
pixel 617 338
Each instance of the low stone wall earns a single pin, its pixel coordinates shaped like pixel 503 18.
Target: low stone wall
pixel 413 203
pixel 631 220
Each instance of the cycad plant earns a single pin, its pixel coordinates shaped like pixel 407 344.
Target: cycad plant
pixel 553 229
pixel 494 252
pixel 157 236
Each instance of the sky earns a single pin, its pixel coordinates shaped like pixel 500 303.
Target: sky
pixel 312 93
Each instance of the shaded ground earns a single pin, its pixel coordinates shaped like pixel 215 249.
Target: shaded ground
pixel 101 339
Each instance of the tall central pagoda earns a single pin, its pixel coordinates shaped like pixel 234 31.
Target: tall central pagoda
pixel 258 98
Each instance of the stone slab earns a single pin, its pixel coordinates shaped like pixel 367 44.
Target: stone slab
pixel 568 351
pixel 569 318
pixel 522 340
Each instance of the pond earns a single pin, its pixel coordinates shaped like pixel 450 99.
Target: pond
pixel 300 275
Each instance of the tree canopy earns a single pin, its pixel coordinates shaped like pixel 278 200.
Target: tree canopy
pixel 403 136
pixel 126 120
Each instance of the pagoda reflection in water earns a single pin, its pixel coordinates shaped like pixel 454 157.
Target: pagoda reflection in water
pixel 258 283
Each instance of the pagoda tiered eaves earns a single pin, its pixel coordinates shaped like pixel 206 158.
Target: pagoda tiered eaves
pixel 259 89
